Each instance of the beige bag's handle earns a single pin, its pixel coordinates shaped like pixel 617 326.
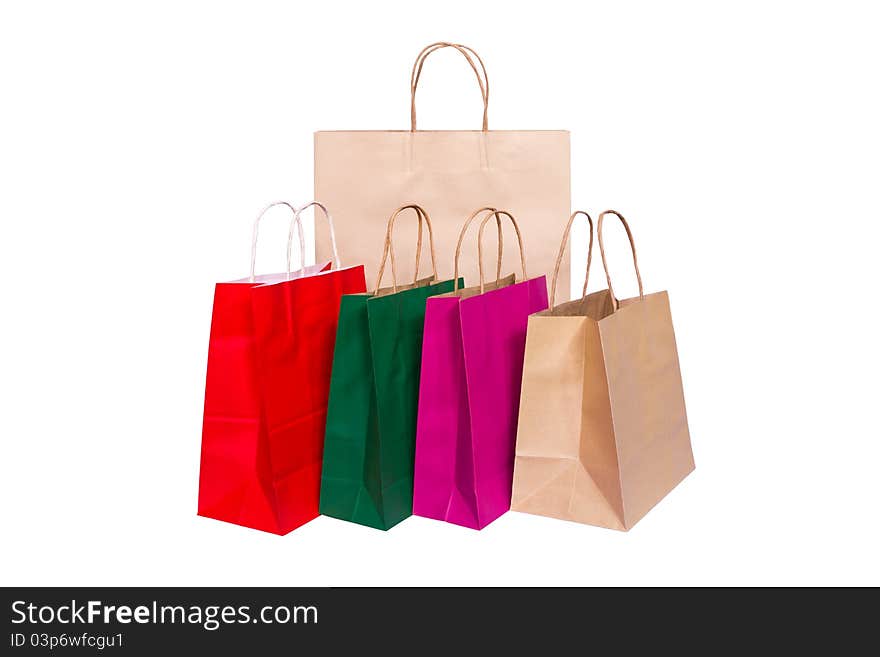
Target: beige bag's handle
pixel 389 247
pixel 469 54
pixel 336 262
pixel 632 245
pixel 562 253
pixel 494 212
pixel 256 232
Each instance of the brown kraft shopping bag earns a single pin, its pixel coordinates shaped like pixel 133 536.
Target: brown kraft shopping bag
pixel 364 175
pixel 603 433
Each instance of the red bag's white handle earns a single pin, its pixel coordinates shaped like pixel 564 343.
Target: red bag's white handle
pixel 302 240
pixel 336 263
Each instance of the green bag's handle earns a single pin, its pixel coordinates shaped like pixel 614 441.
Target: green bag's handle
pixel 492 212
pixel 632 246
pixel 389 247
pixel 562 252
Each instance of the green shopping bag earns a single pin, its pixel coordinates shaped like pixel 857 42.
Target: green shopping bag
pixel 369 445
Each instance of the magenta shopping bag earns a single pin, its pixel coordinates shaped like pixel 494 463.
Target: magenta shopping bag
pixel 472 360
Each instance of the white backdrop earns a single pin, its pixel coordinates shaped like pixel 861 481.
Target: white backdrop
pixel 137 144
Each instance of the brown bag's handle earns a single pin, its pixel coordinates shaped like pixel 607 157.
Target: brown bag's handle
pixel 469 54
pixel 467 223
pixel 389 247
pixel 562 252
pixel 632 245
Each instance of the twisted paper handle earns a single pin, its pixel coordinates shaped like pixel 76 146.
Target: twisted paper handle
pixel 469 54
pixel 562 253
pixel 256 232
pixel 389 247
pixel 632 245
pixel 493 212
pixel 522 251
pixel 336 262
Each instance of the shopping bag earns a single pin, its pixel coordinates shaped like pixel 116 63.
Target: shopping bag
pixel 269 359
pixel 371 419
pixel 603 433
pixel 472 359
pixel 361 173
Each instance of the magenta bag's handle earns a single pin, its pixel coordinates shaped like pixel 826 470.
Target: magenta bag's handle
pixel 467 223
pixel 632 246
pixel 256 231
pixel 336 263
pixel 562 252
pixel 491 212
pixel 522 251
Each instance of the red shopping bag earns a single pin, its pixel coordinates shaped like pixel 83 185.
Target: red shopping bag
pixel 269 360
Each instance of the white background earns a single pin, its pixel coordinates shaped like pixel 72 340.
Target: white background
pixel 137 144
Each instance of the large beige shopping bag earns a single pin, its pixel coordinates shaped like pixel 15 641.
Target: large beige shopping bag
pixel 603 433
pixel 365 175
